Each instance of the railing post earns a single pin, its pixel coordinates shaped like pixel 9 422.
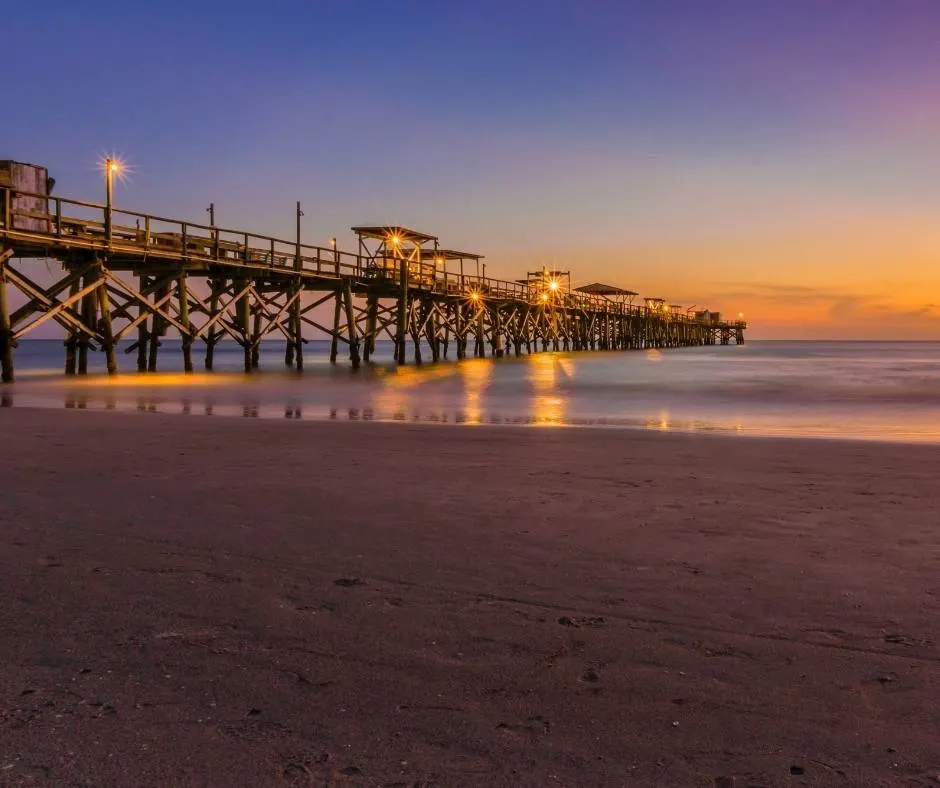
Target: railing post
pixel 246 247
pixel 58 217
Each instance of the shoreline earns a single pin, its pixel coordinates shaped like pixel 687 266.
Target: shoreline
pixel 603 424
pixel 207 601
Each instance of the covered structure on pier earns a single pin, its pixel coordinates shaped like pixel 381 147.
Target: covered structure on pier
pixel 617 295
pixel 384 248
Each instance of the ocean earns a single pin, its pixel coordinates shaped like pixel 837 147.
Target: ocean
pixel 859 390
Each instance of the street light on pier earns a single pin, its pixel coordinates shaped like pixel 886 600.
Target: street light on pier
pixel 112 166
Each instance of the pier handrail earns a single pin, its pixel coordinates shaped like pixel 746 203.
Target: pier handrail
pixel 127 231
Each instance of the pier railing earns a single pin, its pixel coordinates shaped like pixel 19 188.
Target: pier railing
pixel 78 224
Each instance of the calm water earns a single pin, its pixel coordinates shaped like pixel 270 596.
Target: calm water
pixel 887 391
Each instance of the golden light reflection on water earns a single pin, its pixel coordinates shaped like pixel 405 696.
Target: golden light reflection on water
pixel 654 355
pixel 157 380
pixel 409 377
pixel 549 405
pixel 477 374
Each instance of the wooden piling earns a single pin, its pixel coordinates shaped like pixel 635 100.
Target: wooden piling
pixel 402 327
pixel 256 335
pixel 460 330
pixel 6 331
pixel 496 340
pixel 298 334
pixel 432 332
pixel 71 340
pixel 351 325
pixel 142 333
pixel 372 313
pixel 88 310
pixel 243 311
pixel 337 312
pixel 156 330
pixel 186 338
pixel 210 338
pixel 104 304
pixel 416 331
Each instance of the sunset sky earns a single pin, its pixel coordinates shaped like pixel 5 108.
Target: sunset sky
pixel 775 157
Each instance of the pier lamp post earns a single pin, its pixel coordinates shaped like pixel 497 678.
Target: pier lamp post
pixel 112 167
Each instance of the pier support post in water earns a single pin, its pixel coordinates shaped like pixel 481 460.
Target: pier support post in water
pixel 142 334
pixel 372 316
pixel 432 332
pixel 104 304
pixel 298 333
pixel 401 334
pixel 337 311
pixel 214 288
pixel 416 330
pixel 291 345
pixel 89 309
pixel 460 331
pixel 256 335
pixel 243 310
pixel 187 338
pixel 71 340
pixel 351 325
pixel 156 330
pixel 6 332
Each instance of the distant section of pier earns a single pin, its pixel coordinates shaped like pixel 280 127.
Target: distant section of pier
pixel 130 274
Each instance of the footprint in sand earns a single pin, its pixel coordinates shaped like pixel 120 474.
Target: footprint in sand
pixel 586 621
pixel 533 726
pixel 349 582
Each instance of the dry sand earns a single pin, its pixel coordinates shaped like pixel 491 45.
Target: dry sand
pixel 204 601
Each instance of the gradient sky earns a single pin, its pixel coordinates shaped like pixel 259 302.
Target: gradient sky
pixel 776 157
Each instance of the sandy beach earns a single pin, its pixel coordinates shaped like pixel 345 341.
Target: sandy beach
pixel 208 601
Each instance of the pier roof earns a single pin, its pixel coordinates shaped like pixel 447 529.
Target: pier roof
pixel 447 254
pixel 596 288
pixel 386 231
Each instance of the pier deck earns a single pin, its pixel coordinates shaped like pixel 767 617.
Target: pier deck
pixel 127 273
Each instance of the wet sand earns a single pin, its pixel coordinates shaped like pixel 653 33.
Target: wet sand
pixel 206 601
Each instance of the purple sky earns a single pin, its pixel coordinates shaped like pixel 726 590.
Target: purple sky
pixel 727 151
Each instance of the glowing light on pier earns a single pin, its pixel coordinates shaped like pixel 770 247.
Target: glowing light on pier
pixel 553 285
pixel 113 166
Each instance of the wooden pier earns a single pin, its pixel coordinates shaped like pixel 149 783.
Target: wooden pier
pixel 131 275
